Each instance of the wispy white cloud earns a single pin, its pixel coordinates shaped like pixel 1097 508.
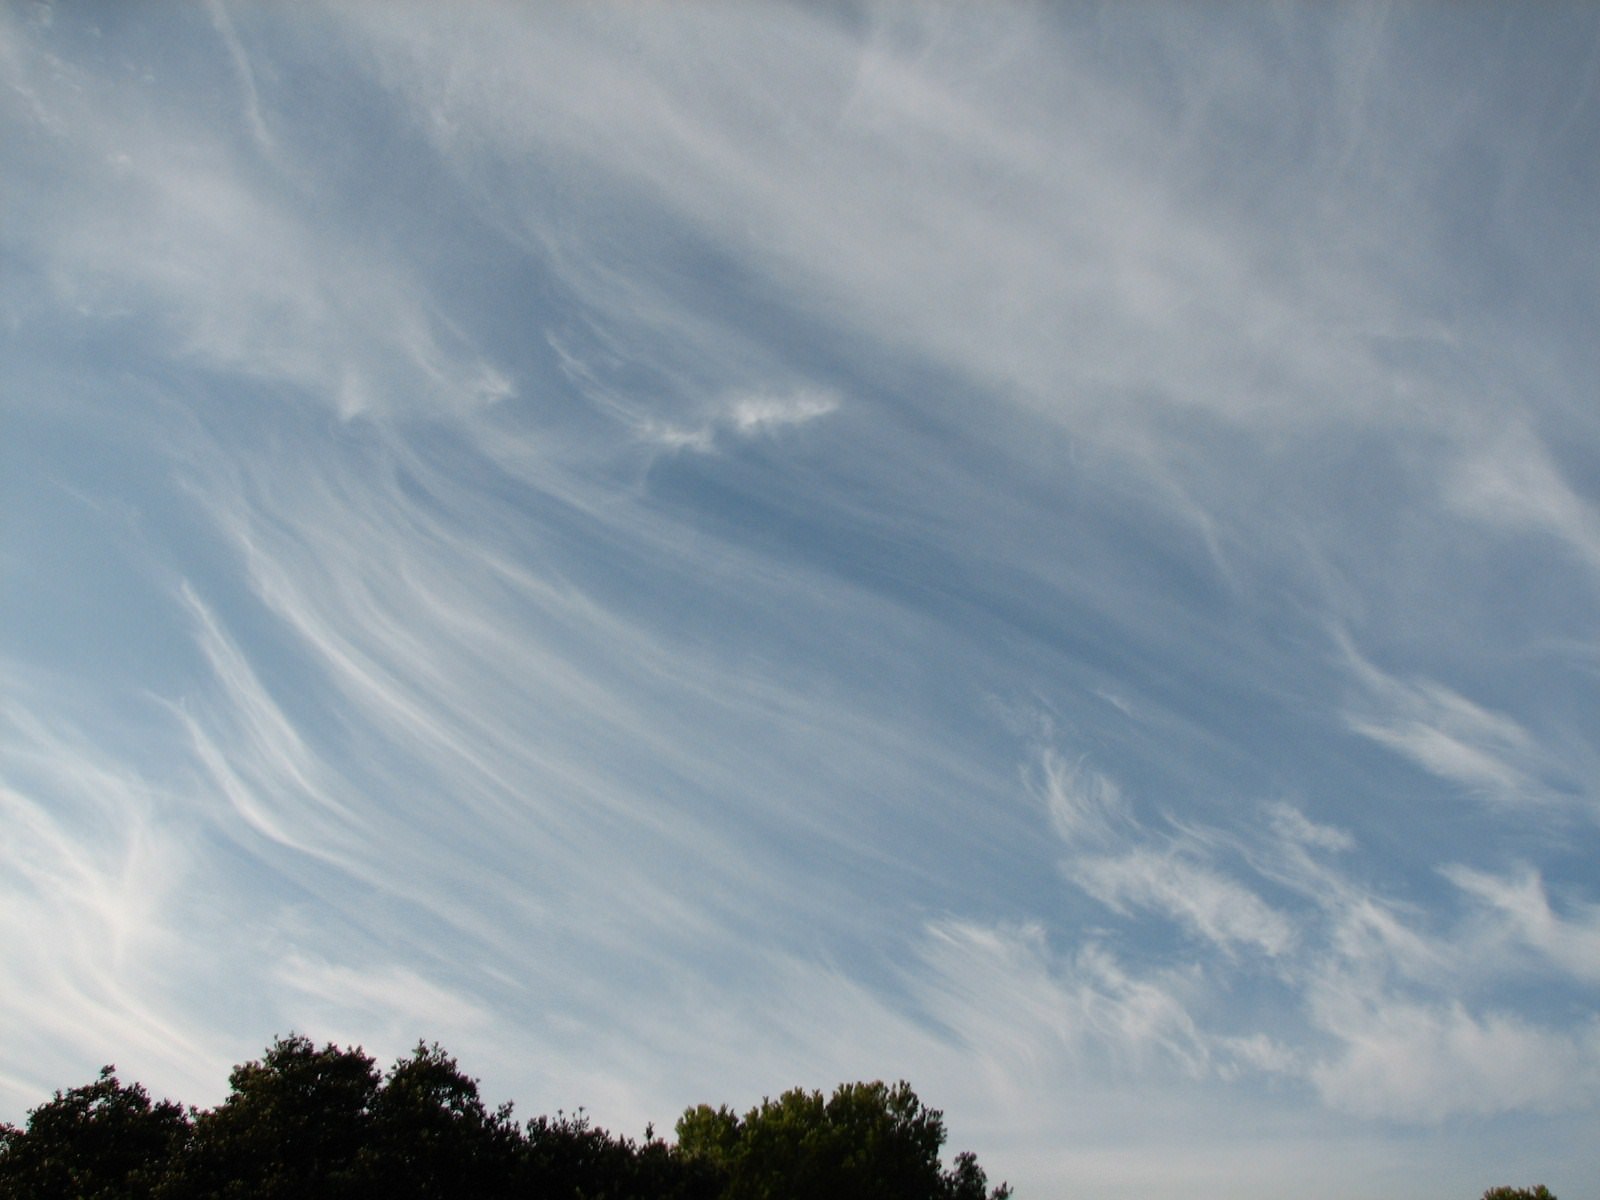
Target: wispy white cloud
pixel 769 413
pixel 1510 481
pixel 1113 858
pixel 1568 942
pixel 387 1002
pixel 241 65
pixel 225 253
pixel 94 939
pixel 267 746
pixel 1381 979
pixel 1413 1061
pixel 1202 900
pixel 1448 735
pixel 744 416
pixel 1033 1016
pixel 921 184
pixel 1086 807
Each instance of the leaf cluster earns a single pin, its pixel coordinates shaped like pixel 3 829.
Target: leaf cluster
pixel 312 1122
pixel 866 1140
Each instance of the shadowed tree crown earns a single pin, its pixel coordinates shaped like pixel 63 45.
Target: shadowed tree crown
pixel 321 1123
pixel 96 1142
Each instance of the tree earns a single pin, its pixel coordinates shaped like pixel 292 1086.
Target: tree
pixel 867 1141
pixel 103 1141
pixel 293 1127
pixel 322 1124
pixel 569 1156
pixel 431 1136
pixel 710 1134
pixel 1537 1192
pixel 968 1181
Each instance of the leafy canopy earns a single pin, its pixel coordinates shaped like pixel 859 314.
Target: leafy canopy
pixel 308 1123
pixel 867 1141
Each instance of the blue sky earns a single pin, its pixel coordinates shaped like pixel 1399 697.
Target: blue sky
pixel 1052 552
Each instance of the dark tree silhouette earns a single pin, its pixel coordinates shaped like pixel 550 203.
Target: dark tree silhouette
pixel 433 1138
pixel 323 1124
pixel 294 1125
pixel 567 1155
pixel 97 1142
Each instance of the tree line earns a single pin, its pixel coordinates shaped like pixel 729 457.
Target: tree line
pixel 308 1123
pixel 303 1123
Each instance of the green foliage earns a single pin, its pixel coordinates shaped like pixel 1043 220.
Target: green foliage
pixel 868 1141
pixel 1537 1192
pixel 309 1122
pixel 432 1137
pixel 967 1181
pixel 313 1123
pixel 566 1155
pixel 709 1133
pixel 103 1141
pixel 293 1125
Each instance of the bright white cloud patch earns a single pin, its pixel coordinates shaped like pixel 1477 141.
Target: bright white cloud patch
pixel 766 414
pixel 1402 1059
pixel 1384 990
pixel 1568 942
pixel 687 550
pixel 747 416
pixel 1209 904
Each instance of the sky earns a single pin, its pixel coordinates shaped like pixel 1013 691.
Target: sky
pixel 680 551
